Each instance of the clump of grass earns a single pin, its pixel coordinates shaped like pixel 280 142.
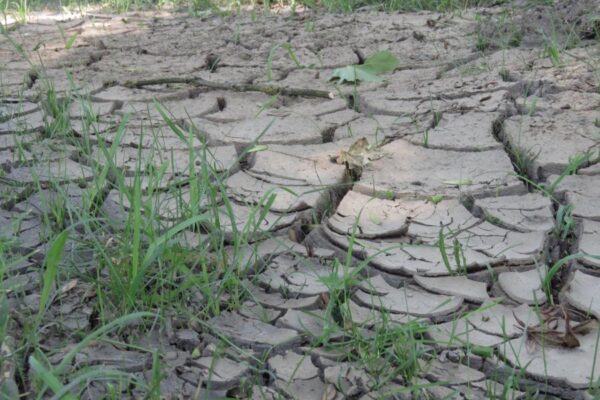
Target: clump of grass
pixel 458 253
pixel 575 163
pixel 140 261
pixel 391 351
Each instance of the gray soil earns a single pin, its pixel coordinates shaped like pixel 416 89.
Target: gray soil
pixel 462 151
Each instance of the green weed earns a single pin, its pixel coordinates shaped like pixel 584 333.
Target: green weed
pixel 575 163
pixel 288 48
pixel 564 223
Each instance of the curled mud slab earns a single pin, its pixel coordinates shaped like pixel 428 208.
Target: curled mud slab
pixel 440 249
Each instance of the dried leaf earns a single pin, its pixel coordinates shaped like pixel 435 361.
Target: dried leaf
pixel 555 329
pixel 359 154
pixel 69 286
pixel 555 338
pixel 585 327
pixel 570 340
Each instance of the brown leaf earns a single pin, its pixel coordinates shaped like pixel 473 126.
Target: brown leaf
pixel 324 299
pixel 570 340
pixel 553 338
pixel 359 154
pixel 585 327
pixel 555 328
pixel 69 286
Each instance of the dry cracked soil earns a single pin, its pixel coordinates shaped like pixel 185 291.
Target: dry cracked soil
pixel 448 234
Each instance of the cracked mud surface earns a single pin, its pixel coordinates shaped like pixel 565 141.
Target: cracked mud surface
pixel 441 231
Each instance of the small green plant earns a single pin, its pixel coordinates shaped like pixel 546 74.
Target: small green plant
pixel 504 74
pixel 288 48
pixel 552 51
pixel 565 223
pixel 309 26
pixel 523 160
pixel 437 118
pixel 22 11
pixel 457 251
pixel 426 138
pixel 373 66
pixel 436 199
pixel 532 105
pixel 482 43
pixel 69 40
pixel 575 163
pixel 515 39
pixel 57 122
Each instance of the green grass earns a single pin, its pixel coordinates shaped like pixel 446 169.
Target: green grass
pixel 139 263
pixel 143 265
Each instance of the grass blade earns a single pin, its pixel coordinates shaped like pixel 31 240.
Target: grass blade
pixel 50 379
pixel 442 247
pixel 153 249
pixel 71 40
pixel 96 334
pixel 52 260
pixel 88 376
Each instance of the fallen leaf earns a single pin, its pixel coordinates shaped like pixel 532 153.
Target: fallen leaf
pixel 585 327
pixel 69 286
pixel 359 154
pixel 555 329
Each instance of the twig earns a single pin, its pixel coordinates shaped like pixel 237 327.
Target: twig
pixel 237 87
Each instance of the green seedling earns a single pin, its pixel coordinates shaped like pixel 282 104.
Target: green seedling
pixel 379 63
pixel 436 198
pixel 287 47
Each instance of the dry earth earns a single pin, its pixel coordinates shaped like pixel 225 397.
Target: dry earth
pixel 451 121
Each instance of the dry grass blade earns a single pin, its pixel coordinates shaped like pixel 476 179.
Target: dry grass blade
pixel 555 328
